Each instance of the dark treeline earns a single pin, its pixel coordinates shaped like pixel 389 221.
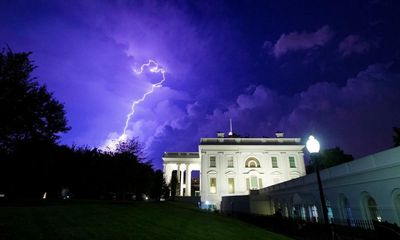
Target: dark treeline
pixel 38 167
pixel 328 158
pixel 32 162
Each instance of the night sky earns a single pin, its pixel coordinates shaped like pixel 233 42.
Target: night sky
pixel 324 67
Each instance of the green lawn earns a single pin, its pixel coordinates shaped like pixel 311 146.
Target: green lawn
pixel 109 220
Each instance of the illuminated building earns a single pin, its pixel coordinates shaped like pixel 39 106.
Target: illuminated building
pixel 233 165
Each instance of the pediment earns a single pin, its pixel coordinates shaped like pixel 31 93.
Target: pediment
pixel 295 173
pixel 253 171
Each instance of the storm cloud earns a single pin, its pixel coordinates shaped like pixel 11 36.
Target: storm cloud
pixel 218 66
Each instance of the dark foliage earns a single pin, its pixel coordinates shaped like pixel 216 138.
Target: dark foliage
pixel 158 188
pixel 31 162
pixel 173 184
pixel 328 158
pixel 396 137
pixel 38 167
pixel 29 111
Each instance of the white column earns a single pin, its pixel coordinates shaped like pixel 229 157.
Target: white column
pixel 167 172
pixel 203 175
pixel 200 179
pixel 198 167
pixel 188 180
pixel 181 184
pixel 178 176
pixel 170 169
pixel 301 164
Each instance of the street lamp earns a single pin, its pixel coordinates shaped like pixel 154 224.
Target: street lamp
pixel 312 144
pixel 313 147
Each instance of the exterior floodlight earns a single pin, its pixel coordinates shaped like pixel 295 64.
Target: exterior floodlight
pixel 312 145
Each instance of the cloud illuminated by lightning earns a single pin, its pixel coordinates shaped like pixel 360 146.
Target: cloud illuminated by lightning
pixel 153 67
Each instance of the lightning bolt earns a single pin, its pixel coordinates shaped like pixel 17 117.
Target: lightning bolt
pixel 153 68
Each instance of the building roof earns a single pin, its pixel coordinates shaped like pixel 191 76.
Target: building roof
pixel 181 155
pixel 381 161
pixel 250 141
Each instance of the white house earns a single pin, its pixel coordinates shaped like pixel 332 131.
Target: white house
pixel 364 189
pixel 233 165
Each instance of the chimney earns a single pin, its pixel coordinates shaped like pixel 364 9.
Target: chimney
pixel 220 134
pixel 279 134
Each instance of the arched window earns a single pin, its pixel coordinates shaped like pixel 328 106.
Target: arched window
pixel 371 208
pixel 396 203
pixel 344 208
pixel 252 163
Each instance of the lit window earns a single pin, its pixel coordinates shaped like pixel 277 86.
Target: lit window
pixel 212 161
pixel 373 209
pixel 274 161
pixel 230 162
pixel 253 183
pixel 314 213
pixel 231 185
pixel 292 162
pixel 252 163
pixel 213 185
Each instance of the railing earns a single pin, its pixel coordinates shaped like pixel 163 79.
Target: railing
pixel 181 154
pixel 249 141
pixel 364 224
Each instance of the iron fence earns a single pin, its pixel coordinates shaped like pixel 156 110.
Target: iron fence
pixel 364 224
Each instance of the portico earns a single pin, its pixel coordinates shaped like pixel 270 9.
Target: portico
pixel 184 163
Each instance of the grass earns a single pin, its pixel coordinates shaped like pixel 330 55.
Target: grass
pixel 111 220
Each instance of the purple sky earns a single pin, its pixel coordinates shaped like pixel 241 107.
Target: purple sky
pixel 323 68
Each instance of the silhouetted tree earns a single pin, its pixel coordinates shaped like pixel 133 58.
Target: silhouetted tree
pixel 166 192
pixel 158 185
pixel 91 173
pixel 133 173
pixel 328 158
pixel 396 137
pixel 173 184
pixel 29 112
pixel 32 163
pixel 131 146
pixel 31 119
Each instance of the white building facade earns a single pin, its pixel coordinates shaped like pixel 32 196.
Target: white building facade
pixel 232 166
pixel 262 175
pixel 363 189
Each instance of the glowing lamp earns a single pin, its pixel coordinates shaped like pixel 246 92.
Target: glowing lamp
pixel 312 145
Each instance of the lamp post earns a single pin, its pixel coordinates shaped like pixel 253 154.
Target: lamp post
pixel 313 147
